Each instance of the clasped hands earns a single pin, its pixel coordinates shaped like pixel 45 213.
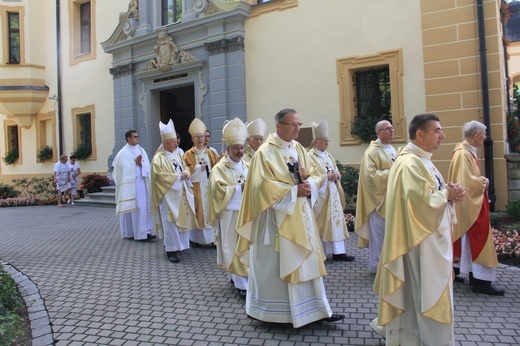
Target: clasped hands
pixel 304 189
pixel 456 192
pixel 333 176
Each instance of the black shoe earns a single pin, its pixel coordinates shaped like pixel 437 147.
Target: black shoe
pixel 150 237
pixel 193 244
pixel 242 294
pixel 458 279
pixel 172 257
pixel 333 318
pixel 343 257
pixel 491 290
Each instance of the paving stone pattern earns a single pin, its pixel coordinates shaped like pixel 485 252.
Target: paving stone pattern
pixel 100 289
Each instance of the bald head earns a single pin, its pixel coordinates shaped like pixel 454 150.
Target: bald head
pixel 385 131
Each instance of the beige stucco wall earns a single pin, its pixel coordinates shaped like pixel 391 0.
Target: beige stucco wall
pixel 96 87
pixel 39 69
pixel 291 58
pixel 453 78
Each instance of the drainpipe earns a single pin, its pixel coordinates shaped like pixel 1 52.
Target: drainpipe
pixel 488 143
pixel 58 87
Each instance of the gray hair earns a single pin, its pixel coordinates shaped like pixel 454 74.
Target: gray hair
pixel 470 128
pixel 281 114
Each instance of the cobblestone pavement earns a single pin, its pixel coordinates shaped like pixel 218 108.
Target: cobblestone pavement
pixel 101 289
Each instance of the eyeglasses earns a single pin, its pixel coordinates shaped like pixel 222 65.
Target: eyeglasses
pixel 135 136
pixel 292 125
pixel 389 128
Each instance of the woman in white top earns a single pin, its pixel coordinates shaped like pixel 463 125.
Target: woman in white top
pixel 62 178
pixel 75 171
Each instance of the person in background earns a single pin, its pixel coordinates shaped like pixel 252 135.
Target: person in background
pixel 172 197
pixel 226 183
pixel 414 278
pixel 75 171
pixel 62 179
pixel 473 245
pixel 331 198
pixel 207 140
pixel 200 160
pixel 373 179
pixel 133 194
pixel 256 130
pixel 179 149
pixel 279 239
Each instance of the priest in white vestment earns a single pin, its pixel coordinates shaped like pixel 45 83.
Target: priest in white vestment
pixel 331 198
pixel 414 278
pixel 256 130
pixel 373 178
pixel 132 178
pixel 279 239
pixel 200 161
pixel 173 203
pixel 226 183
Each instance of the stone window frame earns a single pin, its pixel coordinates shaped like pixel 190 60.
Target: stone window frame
pixel 4 10
pixel 41 133
pixel 346 68
pixel 75 54
pixel 7 146
pixel 76 113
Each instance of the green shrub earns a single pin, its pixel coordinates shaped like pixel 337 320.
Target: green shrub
pixel 11 157
pixel 44 154
pixel 513 210
pixel 94 182
pixel 495 218
pixel 10 303
pixel 349 182
pixel 7 191
pixel 82 152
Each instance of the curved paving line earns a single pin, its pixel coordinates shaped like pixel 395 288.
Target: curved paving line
pixel 41 326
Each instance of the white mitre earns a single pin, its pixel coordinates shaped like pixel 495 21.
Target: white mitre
pixel 168 130
pixel 197 127
pixel 234 132
pixel 321 130
pixel 256 127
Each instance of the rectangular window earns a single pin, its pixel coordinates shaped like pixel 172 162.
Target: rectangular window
pixel 372 101
pixel 171 11
pixel 13 30
pixel 370 89
pixel 85 131
pixel 12 138
pixel 84 125
pixel 85 27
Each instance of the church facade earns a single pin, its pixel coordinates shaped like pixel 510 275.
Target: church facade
pixel 84 72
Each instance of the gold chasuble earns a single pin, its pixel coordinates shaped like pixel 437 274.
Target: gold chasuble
pixel 473 211
pixel 181 209
pixel 418 245
pixel 190 157
pixel 222 185
pixel 330 205
pixel 373 179
pixel 268 181
pixel 248 154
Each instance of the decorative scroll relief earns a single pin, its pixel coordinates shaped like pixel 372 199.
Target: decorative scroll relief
pixel 167 54
pixel 132 13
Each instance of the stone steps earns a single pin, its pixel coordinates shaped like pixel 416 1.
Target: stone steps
pixel 106 198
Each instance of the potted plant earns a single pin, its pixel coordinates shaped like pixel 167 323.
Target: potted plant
pixel 82 152
pixel 11 157
pixel 94 182
pixel 44 154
